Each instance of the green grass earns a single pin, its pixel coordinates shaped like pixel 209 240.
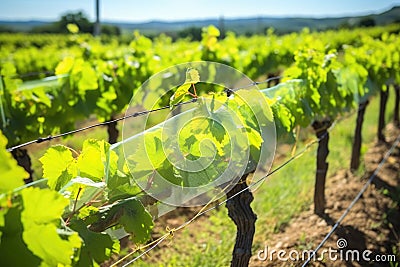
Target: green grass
pixel 208 246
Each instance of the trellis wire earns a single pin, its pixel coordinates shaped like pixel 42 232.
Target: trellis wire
pixel 336 225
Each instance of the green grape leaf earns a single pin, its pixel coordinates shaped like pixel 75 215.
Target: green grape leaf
pixel 255 141
pixel 186 141
pixel 148 154
pixel 42 206
pixel 96 246
pixel 255 138
pixel 38 237
pixel 72 28
pixel 192 77
pixel 130 214
pixel 285 119
pixel 136 220
pixel 87 211
pixel 12 175
pixel 88 80
pixel 203 177
pixel 41 96
pixel 179 94
pixel 255 101
pixel 167 172
pixel 58 166
pixel 154 148
pixel 217 131
pixel 212 31
pixel 40 217
pixel 65 66
pixel 3 211
pixel 120 186
pixel 11 240
pixel 92 159
pixel 203 147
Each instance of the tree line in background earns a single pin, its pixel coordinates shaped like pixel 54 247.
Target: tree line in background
pixel 80 19
pixel 60 26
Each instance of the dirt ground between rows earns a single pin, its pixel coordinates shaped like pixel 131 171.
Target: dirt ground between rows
pixel 372 224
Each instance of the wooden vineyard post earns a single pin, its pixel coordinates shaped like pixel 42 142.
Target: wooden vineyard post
pixel 396 119
pixel 112 132
pixel 2 113
pixel 321 130
pixel 97 26
pixel 23 159
pixel 274 79
pixel 357 140
pixel 239 210
pixel 382 109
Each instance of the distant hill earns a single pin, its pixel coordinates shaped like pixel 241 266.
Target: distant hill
pixel 22 25
pixel 258 24
pixel 240 26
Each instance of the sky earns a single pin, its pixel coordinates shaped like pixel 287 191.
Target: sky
pixel 172 10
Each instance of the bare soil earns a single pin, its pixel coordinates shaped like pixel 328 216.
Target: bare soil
pixel 372 224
